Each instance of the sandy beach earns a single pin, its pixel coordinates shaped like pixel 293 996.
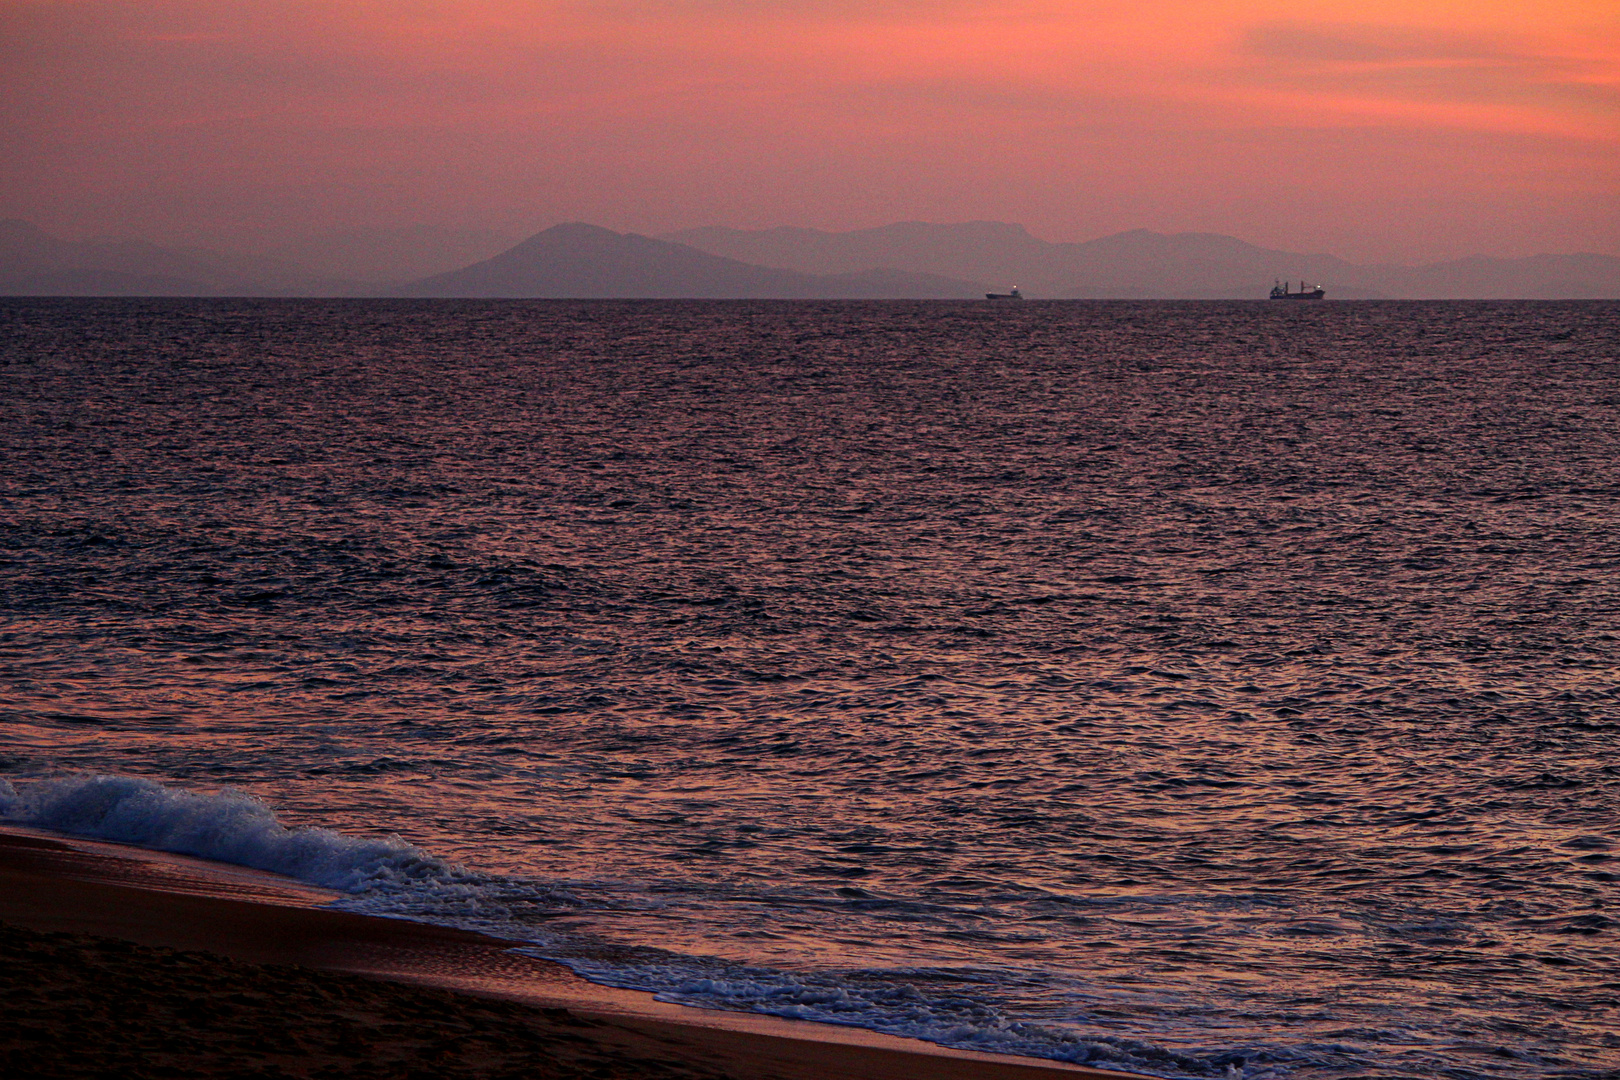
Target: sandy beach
pixel 125 962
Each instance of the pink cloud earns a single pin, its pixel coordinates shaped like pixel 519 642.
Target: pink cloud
pixel 169 118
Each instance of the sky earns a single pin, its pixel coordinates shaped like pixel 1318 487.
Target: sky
pixel 1386 130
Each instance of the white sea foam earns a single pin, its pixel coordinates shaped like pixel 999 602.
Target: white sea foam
pixel 383 875
pixel 226 826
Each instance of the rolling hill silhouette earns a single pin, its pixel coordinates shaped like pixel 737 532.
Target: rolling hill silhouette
pixel 907 260
pixel 34 263
pixel 586 261
pixel 1140 264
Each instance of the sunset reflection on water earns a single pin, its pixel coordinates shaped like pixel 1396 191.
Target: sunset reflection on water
pixel 1205 675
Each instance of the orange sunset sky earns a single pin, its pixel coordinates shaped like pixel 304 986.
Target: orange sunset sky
pixel 1396 130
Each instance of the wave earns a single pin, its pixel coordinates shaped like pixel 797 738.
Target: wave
pixel 388 876
pixel 227 826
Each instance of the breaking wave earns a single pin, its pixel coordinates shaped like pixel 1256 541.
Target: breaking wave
pixel 387 876
pixel 227 826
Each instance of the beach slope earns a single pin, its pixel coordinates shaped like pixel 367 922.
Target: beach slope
pixel 119 961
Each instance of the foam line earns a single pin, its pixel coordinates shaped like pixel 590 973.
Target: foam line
pixel 227 826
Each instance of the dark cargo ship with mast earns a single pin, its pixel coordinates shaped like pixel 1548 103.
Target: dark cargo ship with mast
pixel 1280 291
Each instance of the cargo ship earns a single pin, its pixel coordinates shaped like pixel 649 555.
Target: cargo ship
pixel 1280 291
pixel 1014 295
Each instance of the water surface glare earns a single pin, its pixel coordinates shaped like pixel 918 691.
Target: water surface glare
pixel 1210 689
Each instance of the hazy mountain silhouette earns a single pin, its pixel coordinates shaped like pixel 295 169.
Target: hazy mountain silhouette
pixel 582 261
pixel 34 263
pixel 904 260
pixel 1149 265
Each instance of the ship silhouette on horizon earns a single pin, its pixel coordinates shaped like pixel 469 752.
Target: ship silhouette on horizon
pixel 1280 291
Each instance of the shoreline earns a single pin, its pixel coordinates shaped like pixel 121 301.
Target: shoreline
pixel 260 923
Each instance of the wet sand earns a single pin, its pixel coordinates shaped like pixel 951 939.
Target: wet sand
pixel 116 961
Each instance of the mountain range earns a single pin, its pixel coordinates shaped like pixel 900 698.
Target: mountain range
pixel 34 263
pixel 907 260
pixel 1146 265
pixel 587 261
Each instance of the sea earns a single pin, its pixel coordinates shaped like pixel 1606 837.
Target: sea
pixel 1205 689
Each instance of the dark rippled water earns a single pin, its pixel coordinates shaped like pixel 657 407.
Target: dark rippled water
pixel 1211 689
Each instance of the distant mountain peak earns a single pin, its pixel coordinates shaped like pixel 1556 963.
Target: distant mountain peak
pixel 577 228
pixel 577 260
